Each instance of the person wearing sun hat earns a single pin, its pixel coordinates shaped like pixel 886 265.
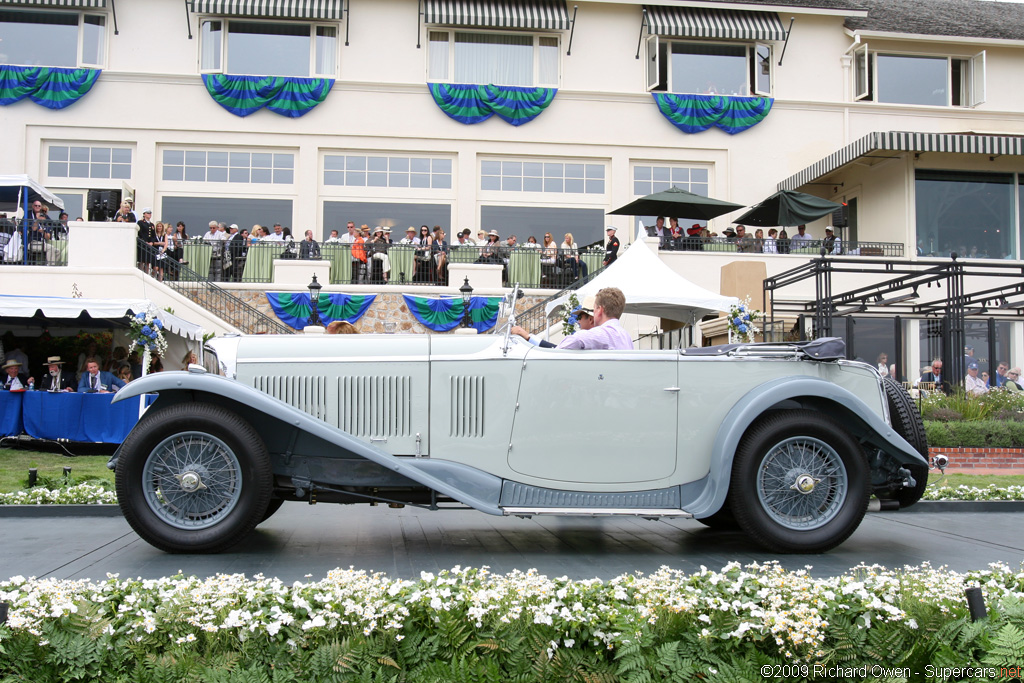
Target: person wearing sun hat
pixel 55 380
pixel 584 315
pixel 14 379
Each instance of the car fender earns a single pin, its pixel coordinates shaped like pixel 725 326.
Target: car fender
pixel 465 484
pixel 812 392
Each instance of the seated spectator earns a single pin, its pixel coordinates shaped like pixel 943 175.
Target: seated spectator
pixel 439 250
pixel 1012 380
pixel 189 359
pixel 333 239
pixel 744 242
pixel 55 379
pixel 770 246
pixel 531 243
pixel 95 381
pixel 973 384
pixel 15 380
pixel 341 327
pixel 549 251
pixel 125 374
pixel 118 358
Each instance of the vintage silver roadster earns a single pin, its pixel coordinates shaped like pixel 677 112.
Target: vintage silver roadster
pixel 785 441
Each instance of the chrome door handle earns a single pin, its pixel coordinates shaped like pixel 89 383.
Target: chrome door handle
pixel 672 389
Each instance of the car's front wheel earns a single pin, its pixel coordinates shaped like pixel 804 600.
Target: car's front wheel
pixel 799 482
pixel 193 478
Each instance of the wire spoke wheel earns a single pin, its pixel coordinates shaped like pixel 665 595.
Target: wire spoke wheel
pixel 192 480
pixel 193 477
pixel 802 483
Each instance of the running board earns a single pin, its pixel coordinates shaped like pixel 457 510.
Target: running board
pixel 595 512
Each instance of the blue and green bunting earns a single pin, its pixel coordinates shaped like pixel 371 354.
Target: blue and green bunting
pixel 293 307
pixel 443 314
pixel 475 103
pixel 50 87
pixel 696 113
pixel 243 95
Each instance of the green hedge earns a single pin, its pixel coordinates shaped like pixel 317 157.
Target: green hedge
pixel 978 434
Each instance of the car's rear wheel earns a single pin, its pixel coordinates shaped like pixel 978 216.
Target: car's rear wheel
pixel 907 422
pixel 799 482
pixel 193 478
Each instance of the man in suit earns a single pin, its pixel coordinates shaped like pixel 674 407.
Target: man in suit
pixel 95 382
pixel 15 379
pixel 55 379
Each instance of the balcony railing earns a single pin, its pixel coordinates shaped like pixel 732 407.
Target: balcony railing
pixel 33 242
pixel 752 245
pixel 378 264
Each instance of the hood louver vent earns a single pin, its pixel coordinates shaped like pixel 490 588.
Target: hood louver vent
pixel 467 409
pixel 376 406
pixel 308 394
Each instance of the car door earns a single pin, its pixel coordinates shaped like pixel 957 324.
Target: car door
pixel 596 417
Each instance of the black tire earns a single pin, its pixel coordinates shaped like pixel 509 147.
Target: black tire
pixel 193 478
pixel 273 506
pixel 786 452
pixel 907 422
pixel 723 520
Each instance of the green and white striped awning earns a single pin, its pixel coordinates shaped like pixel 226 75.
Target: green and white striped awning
pixel 899 141
pixel 77 4
pixel 703 22
pixel 531 14
pixel 288 9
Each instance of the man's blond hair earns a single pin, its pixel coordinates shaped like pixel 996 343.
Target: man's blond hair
pixel 612 300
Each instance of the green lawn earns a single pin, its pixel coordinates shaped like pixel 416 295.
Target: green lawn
pixel 15 463
pixel 979 480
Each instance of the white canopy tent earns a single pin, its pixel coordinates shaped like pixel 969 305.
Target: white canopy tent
pixel 67 308
pixel 652 288
pixel 20 189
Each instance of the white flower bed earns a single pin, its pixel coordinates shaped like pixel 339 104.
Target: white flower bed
pixel 963 492
pixel 756 603
pixel 79 494
pixel 90 494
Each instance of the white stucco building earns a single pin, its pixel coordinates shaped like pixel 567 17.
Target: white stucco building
pixel 786 94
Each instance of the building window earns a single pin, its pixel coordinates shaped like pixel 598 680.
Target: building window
pixel 649 178
pixel 360 170
pixel 537 176
pixel 971 214
pixel 196 212
pixel 519 59
pixel 262 48
pixel 73 161
pixel 214 166
pixel 918 79
pixel 686 67
pixel 45 38
pixel 386 214
pixel 586 225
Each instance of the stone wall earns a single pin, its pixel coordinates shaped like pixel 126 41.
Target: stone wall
pixel 388 307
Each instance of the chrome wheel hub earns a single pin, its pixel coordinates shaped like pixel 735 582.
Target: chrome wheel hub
pixel 190 481
pixel 805 483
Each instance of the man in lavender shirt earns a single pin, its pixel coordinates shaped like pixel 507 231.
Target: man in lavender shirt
pixel 606 333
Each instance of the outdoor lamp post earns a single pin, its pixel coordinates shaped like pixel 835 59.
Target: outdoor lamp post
pixel 467 293
pixel 314 301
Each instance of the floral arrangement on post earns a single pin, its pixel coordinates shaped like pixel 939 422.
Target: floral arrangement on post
pixel 743 322
pixel 569 319
pixel 148 333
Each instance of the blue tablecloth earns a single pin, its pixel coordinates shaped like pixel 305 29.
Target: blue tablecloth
pixel 10 413
pixel 78 416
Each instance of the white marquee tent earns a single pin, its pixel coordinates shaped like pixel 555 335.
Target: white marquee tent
pixel 652 288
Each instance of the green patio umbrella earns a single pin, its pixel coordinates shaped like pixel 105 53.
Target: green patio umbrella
pixel 787 207
pixel 678 203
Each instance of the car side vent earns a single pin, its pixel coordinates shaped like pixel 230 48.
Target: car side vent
pixel 376 406
pixel 308 394
pixel 467 408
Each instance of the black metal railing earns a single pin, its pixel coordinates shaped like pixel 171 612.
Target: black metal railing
pixel 753 245
pixel 177 274
pixel 33 242
pixel 377 263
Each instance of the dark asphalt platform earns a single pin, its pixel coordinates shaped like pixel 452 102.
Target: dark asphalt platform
pixel 302 540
